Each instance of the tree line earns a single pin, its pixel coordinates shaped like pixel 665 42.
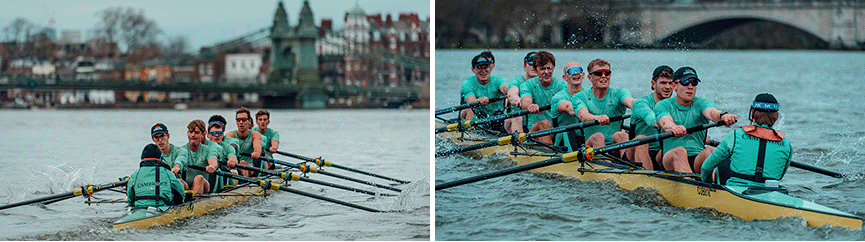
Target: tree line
pixel 129 27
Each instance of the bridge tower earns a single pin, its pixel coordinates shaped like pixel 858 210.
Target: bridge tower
pixel 293 58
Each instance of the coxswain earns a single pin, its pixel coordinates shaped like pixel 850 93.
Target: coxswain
pixel 757 152
pixel 153 184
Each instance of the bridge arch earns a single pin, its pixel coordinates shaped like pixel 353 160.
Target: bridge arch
pixel 699 30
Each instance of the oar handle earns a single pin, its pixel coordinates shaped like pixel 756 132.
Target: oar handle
pixel 570 127
pixel 468 105
pixel 505 140
pixel 646 140
pixel 476 122
pixel 271 185
pixel 580 155
pixel 305 168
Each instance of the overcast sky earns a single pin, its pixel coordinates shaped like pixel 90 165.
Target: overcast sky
pixel 204 22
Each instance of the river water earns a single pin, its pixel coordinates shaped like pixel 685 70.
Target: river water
pixel 55 151
pixel 821 114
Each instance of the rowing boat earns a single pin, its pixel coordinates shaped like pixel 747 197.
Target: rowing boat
pixel 144 218
pixel 745 203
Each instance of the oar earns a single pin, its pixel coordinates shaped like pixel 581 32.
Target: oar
pixel 467 105
pixel 264 183
pixel 321 162
pixel 293 177
pixel 475 122
pixel 581 155
pixel 85 190
pixel 505 140
pixel 802 166
pixel 304 168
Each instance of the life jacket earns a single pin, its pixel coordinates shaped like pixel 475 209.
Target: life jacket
pixel 156 164
pixel 764 135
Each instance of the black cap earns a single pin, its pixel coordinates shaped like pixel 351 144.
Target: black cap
pixel 660 69
pixel 766 102
pixel 216 118
pixel 685 73
pixel 480 60
pixel 151 151
pixel 158 128
pixel 529 57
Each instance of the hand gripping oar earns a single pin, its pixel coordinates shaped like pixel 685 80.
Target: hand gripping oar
pixel 586 153
pixel 468 124
pixel 468 105
pixel 802 166
pixel 293 177
pixel 307 169
pixel 264 183
pixel 85 190
pixel 522 137
pixel 321 162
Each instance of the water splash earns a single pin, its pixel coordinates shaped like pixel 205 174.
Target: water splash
pixel 62 177
pixel 413 197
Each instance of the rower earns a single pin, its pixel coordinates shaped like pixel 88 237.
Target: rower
pixel 269 137
pixel 483 86
pixel 174 156
pixel 221 121
pixel 225 154
pixel 249 141
pixel 153 184
pixel 643 118
pixel 566 104
pixel 199 155
pixel 686 152
pixel 757 152
pixel 539 91
pixel 529 73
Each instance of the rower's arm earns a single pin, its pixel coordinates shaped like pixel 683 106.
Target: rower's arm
pixel 641 109
pixel 585 116
pixel 525 102
pixel 628 102
pixel 256 142
pixel 566 107
pixel 713 114
pixel 666 123
pixel 514 95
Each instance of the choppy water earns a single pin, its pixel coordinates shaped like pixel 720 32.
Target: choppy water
pixel 47 152
pixel 822 115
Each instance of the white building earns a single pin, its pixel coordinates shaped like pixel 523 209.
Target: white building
pixel 243 67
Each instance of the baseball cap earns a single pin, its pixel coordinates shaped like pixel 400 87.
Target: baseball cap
pixel 660 69
pixel 480 60
pixel 158 128
pixel 151 151
pixel 766 102
pixel 685 73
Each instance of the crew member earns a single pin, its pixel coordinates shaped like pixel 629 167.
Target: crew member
pixel 757 152
pixel 175 157
pixel 249 141
pixel 483 86
pixel 565 104
pixel 539 91
pixel 643 118
pixel 202 156
pixel 153 184
pixel 686 152
pixel 269 137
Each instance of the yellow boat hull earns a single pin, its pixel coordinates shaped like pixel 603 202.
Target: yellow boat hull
pixel 679 192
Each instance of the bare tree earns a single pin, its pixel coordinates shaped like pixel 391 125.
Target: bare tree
pixel 129 26
pixel 177 45
pixel 19 29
